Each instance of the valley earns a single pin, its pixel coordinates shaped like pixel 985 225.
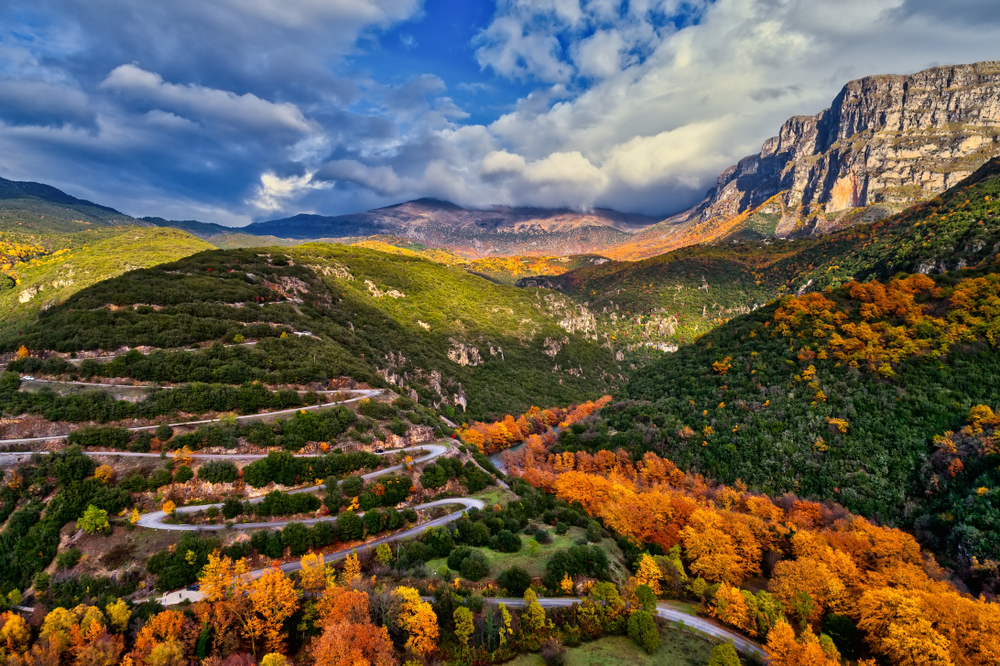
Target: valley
pixel 761 430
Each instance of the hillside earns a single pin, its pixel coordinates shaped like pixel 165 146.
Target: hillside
pixel 62 264
pixel 37 208
pixel 885 143
pixel 674 297
pixel 454 338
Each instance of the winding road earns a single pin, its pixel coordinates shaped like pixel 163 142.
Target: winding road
pixel 361 394
pixel 154 520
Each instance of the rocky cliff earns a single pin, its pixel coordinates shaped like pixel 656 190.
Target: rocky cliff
pixel 885 143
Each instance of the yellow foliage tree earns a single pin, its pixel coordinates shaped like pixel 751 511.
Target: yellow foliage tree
pixel 648 573
pixel 312 576
pixel 104 473
pixel 566 584
pixel 464 624
pixel 168 507
pixel 14 634
pixel 783 650
pixel 417 618
pixel 118 615
pixel 897 629
pixel 274 600
pixel 505 629
pixel 22 352
pixel 352 569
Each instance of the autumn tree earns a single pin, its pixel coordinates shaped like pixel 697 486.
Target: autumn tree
pixel 312 575
pixel 896 628
pixel 464 625
pixel 712 551
pixel 783 649
pixel 648 573
pixel 274 600
pixel 417 618
pixel 352 569
pixel 15 635
pixel 224 583
pixel 118 615
pixel 347 643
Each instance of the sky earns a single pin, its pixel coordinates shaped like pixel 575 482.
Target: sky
pixel 233 111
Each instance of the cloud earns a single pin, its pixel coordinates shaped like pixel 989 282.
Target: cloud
pixel 237 109
pixel 274 191
pixel 381 180
pixel 247 112
pixel 27 102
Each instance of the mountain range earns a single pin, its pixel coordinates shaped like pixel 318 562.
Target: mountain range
pixel 885 143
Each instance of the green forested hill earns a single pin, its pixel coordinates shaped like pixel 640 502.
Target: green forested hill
pixel 833 395
pixel 58 265
pixel 385 319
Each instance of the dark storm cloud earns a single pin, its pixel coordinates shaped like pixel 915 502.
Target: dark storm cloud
pixel 44 104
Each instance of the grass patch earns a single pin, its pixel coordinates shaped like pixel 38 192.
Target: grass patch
pixel 535 564
pixel 676 649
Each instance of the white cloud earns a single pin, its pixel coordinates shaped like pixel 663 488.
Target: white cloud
pixel 274 191
pixel 382 180
pixel 246 112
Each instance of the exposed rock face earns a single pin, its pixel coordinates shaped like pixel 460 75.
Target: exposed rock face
pixel 886 142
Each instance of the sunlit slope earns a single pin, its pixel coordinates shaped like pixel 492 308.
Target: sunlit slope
pixel 684 293
pixel 63 264
pixel 453 337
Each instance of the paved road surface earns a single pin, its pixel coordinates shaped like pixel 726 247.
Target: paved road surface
pixel 361 395
pixel 467 503
pixel 667 612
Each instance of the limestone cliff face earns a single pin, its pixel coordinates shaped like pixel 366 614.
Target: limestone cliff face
pixel 885 143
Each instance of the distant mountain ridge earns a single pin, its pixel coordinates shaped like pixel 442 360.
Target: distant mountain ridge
pixel 13 189
pixel 496 231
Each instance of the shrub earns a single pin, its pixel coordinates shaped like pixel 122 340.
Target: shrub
pixel 439 540
pixel 218 471
pixel 515 580
pixel 107 437
pixel 456 556
pixel 507 542
pixel 594 531
pixel 353 485
pixel 68 558
pixel 643 630
pixel 350 526
pixel 160 477
pixel 183 474
pixel 295 537
pixel 333 499
pixel 474 567
pixel 562 528
pixel 433 476
pixel 231 508
pixel 576 560
pixel 142 442
pixel 543 536
pixel 553 653
pixel 724 654
pixel 164 432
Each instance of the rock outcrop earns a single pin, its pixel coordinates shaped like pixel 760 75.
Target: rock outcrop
pixel 885 143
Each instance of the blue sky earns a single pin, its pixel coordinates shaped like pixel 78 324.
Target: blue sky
pixel 238 110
